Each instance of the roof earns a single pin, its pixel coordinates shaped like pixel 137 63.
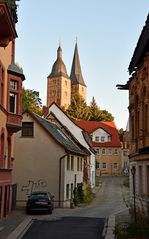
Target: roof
pixel 56 133
pixel 109 127
pixel 15 70
pixel 71 120
pixel 76 73
pixel 59 68
pixel 142 47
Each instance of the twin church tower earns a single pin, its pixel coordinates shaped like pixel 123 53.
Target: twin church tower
pixel 61 87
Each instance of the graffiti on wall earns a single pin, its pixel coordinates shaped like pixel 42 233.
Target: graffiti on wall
pixel 34 186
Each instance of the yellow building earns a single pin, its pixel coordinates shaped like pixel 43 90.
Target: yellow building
pixel 106 142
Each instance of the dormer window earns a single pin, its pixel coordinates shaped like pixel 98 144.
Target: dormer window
pixel 102 138
pixel 109 138
pixel 97 138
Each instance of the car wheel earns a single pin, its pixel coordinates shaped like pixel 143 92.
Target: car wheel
pixel 27 211
pixel 50 211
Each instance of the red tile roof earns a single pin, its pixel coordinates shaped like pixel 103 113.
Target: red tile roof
pixel 109 127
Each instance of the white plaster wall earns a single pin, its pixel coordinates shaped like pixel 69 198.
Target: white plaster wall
pixel 36 165
pixel 69 177
pixel 77 132
pixel 100 132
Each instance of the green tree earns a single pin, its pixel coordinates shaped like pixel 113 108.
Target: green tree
pixel 94 111
pixel 78 108
pixel 31 101
pixel 99 115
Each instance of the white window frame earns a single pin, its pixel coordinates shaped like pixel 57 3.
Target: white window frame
pixel 105 165
pixel 115 164
pixel 97 138
pixel 104 151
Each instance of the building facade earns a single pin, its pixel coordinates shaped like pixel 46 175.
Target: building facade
pixel 138 87
pixel 60 87
pixel 11 78
pixel 82 138
pixel 106 143
pixel 46 159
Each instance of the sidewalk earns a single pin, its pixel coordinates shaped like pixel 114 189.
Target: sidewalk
pixel 9 224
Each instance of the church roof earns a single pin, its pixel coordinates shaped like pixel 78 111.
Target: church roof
pixel 59 68
pixel 141 49
pixel 76 73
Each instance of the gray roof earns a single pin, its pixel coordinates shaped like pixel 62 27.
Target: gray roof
pixel 76 73
pixel 58 135
pixel 59 68
pixel 15 70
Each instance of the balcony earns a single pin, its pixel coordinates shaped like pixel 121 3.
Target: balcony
pixel 14 122
pixel 8 18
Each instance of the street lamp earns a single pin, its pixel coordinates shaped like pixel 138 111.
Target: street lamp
pixel 133 171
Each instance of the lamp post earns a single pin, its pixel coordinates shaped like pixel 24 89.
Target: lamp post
pixel 133 171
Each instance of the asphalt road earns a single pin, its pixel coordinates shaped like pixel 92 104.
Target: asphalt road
pixel 81 222
pixel 67 228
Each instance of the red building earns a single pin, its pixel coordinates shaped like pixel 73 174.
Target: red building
pixel 11 78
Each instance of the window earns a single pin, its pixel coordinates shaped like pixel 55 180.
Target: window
pixel 78 160
pixel 109 138
pixel 13 103
pixel 79 164
pixel 103 151
pixel 65 83
pixel 102 138
pixel 27 129
pixel 97 151
pixel 115 165
pixel 109 151
pixel 2 145
pixel 124 152
pixel 97 138
pixel 67 191
pixel 115 151
pixel 1 85
pixel 72 163
pixel 104 165
pixel 68 163
pixel 13 85
pixel 71 190
pixel 97 165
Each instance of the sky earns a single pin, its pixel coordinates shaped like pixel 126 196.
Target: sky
pixel 107 32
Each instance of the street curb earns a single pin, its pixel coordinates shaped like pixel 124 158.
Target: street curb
pixel 110 227
pixel 21 229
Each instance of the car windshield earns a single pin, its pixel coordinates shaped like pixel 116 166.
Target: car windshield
pixel 39 196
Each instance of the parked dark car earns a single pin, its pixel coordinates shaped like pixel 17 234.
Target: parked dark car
pixel 40 201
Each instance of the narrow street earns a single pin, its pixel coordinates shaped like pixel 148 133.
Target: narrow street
pixel 81 222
